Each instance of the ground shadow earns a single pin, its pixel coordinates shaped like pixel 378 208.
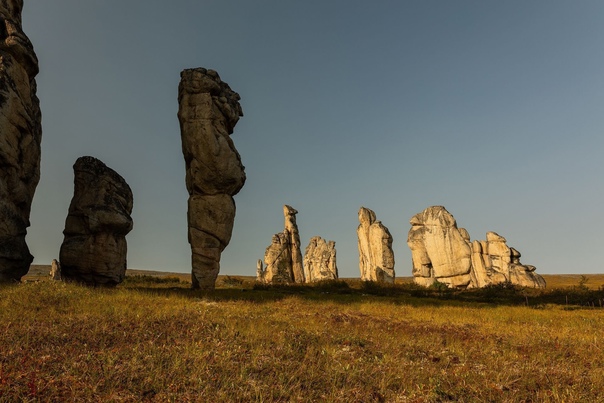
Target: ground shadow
pixel 576 297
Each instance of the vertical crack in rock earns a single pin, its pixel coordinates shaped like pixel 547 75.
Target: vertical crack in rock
pixel 94 248
pixel 208 111
pixel 20 138
pixel 376 257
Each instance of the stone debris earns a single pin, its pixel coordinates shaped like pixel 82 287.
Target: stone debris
pixel 208 112
pixel 94 248
pixel 320 260
pixel 376 257
pixel 443 252
pixel 20 138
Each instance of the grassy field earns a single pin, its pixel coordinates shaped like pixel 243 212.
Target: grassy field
pixel 153 339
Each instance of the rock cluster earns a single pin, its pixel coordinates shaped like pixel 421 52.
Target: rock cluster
pixel 320 260
pixel 208 111
pixel 376 257
pixel 283 257
pixel 94 248
pixel 20 138
pixel 443 252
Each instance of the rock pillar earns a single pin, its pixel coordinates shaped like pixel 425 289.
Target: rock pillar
pixel 94 249
pixel 20 138
pixel 208 110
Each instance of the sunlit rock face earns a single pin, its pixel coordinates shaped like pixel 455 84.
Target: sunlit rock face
pixel 439 250
pixel 502 264
pixel 94 248
pixel 376 257
pixel 320 260
pixel 283 257
pixel 277 261
pixel 208 112
pixel 442 252
pixel 20 138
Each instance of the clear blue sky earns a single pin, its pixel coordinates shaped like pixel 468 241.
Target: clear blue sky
pixel 493 109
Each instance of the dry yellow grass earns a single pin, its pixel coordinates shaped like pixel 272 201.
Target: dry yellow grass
pixel 157 340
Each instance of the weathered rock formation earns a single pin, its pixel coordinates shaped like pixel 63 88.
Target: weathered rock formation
pixel 208 111
pixel 442 252
pixel 294 241
pixel 376 258
pixel 94 248
pixel 498 263
pixel 283 257
pixel 320 260
pixel 20 138
pixel 277 261
pixel 55 270
pixel 439 249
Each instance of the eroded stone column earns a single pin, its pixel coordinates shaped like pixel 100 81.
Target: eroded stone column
pixel 208 111
pixel 20 138
pixel 320 260
pixel 94 249
pixel 376 257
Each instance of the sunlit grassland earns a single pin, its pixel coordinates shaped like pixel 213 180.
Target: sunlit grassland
pixel 156 340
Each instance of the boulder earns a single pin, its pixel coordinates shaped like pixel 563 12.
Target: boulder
pixel 20 138
pixel 208 112
pixel 320 260
pixel 94 248
pixel 376 257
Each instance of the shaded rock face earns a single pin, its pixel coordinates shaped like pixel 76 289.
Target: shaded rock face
pixel 94 248
pixel 283 257
pixel 320 260
pixel 20 138
pixel 442 252
pixel 376 257
pixel 294 241
pixel 208 111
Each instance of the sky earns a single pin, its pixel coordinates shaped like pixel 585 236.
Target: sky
pixel 493 109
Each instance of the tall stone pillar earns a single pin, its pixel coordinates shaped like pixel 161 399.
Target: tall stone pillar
pixel 20 138
pixel 208 110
